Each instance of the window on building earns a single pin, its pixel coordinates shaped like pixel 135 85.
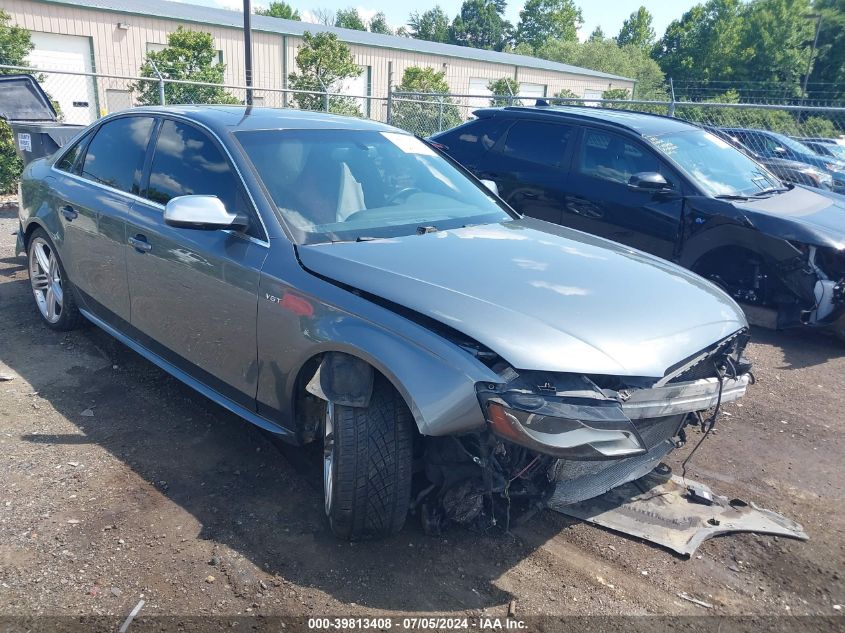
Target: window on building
pixel 115 155
pixel 591 93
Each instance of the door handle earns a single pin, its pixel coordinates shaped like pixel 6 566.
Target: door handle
pixel 69 213
pixel 140 243
pixel 529 195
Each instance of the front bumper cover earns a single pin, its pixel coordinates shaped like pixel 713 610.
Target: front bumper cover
pixel 582 427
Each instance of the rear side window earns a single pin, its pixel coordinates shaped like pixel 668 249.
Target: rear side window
pixel 68 161
pixel 471 140
pixel 115 155
pixel 538 142
pixel 187 162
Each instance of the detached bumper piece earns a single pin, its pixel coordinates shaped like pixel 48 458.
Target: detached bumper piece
pixel 677 514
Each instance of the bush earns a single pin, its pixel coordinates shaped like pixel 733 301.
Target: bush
pixel 10 165
pixel 429 114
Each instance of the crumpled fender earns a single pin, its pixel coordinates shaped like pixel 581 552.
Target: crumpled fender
pixel 441 396
pixel 706 232
pixel 303 317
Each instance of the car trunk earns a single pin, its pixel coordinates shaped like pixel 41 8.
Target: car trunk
pixel 35 127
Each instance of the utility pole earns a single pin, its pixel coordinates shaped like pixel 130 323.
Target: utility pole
pixel 248 49
pixel 818 18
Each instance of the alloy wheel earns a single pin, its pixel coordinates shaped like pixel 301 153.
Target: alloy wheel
pixel 46 278
pixel 328 457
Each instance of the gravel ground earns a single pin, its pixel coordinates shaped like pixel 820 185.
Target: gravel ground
pixel 117 483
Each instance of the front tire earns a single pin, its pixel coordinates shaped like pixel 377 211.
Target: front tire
pixel 50 286
pixel 367 465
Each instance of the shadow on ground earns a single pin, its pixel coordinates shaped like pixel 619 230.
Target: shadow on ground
pixel 232 478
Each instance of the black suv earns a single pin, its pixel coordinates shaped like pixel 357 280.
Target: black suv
pixel 672 189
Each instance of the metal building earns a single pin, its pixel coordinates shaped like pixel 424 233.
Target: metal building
pixel 112 37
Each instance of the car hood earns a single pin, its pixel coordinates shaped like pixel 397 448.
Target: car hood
pixel 542 296
pixel 805 215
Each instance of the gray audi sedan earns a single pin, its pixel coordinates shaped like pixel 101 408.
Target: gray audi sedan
pixel 339 282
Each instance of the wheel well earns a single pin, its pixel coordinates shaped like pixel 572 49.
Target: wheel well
pixel 33 226
pixel 741 272
pixel 308 409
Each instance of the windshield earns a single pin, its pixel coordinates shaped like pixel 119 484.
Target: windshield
pixel 340 185
pixel 717 167
pixel 837 151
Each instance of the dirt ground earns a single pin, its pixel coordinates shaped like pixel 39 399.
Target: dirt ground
pixel 118 483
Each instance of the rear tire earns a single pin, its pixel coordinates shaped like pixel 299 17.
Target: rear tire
pixel 368 456
pixel 51 289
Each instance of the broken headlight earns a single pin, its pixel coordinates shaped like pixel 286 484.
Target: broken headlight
pixel 575 428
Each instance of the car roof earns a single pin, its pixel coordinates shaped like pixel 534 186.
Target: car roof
pixel 642 123
pixel 236 118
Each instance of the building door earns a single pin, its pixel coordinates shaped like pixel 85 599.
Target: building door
pixel 75 94
pixel 531 92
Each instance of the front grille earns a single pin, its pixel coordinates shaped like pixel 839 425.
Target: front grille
pixel 703 369
pixel 580 480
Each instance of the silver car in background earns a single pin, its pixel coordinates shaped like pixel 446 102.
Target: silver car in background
pixel 338 281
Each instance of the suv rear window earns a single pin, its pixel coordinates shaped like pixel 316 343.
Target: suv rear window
pixel 538 142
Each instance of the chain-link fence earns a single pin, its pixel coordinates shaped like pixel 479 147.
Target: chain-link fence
pixel 768 131
pixel 81 97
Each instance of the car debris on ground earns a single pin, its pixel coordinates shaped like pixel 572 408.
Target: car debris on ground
pixel 677 513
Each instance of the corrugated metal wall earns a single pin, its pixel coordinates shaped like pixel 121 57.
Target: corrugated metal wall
pixel 121 51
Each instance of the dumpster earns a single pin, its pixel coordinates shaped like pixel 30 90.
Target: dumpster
pixel 29 112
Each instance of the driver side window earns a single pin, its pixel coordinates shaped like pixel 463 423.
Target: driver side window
pixel 186 161
pixel 611 157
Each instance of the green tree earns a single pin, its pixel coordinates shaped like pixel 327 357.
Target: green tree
pixel 323 62
pixel 704 43
pixel 607 56
pixel 773 47
pixel 425 115
pixel 637 30
pixel 280 10
pixel 378 24
pixel 501 89
pixel 431 25
pixel 350 19
pixel 481 24
pixel 616 94
pixel 597 35
pixel 15 45
pixel 542 20
pixel 827 79
pixel 566 93
pixel 189 56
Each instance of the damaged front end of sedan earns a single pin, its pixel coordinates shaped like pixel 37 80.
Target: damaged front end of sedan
pixel 555 439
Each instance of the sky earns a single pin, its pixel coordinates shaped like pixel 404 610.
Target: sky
pixel 609 14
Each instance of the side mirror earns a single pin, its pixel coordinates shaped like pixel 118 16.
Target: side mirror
pixel 491 185
pixel 650 181
pixel 780 151
pixel 206 213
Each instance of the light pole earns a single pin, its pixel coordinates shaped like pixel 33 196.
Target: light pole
pixel 248 49
pixel 818 18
